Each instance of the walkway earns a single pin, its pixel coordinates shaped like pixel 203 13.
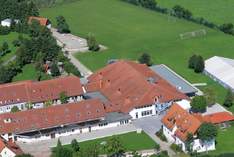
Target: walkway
pixel 43 148
pixel 72 44
pixel 151 125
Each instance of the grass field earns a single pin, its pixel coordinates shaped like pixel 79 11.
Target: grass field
pixel 8 38
pixel 128 31
pixel 28 73
pixel 130 141
pixel 217 11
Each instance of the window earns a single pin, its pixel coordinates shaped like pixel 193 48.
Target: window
pixel 145 113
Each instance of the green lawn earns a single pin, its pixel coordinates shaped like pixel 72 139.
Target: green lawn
pixel 225 141
pixel 8 38
pixel 217 11
pixel 128 31
pixel 131 141
pixel 28 73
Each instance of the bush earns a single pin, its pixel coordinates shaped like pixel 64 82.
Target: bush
pixel 145 59
pixel 160 135
pixel 4 30
pixel 71 68
pixel 176 148
pixel 15 109
pixel 92 43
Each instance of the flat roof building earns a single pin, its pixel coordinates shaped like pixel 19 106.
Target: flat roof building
pixel 221 70
pixel 174 79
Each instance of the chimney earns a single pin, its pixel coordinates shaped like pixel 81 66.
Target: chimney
pixel 119 91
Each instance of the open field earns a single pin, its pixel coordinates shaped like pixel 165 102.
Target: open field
pixel 131 141
pixel 128 31
pixel 8 38
pixel 217 11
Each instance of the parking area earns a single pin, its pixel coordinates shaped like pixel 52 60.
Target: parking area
pixel 70 42
pixel 149 124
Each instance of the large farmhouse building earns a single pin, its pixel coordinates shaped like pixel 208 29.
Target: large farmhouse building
pixel 36 94
pixel 133 88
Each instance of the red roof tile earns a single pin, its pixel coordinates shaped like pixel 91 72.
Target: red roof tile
pixel 184 121
pixel 127 85
pixel 43 21
pixel 39 119
pixel 28 91
pixel 10 145
pixel 220 117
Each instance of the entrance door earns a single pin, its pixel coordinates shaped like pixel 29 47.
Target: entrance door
pixel 89 128
pixel 52 135
pixel 136 115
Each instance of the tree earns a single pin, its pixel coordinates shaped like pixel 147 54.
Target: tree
pixel 228 102
pixel 227 28
pixel 14 109
pixel 207 132
pixel 181 12
pixel 192 61
pixel 54 69
pixel 200 65
pixel 114 147
pixel 188 142
pixel 63 97
pixel 145 59
pixel 62 25
pixel 92 43
pixel 210 96
pixel 75 145
pixel 199 104
pixel 60 151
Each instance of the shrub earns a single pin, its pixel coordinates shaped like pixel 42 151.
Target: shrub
pixel 160 135
pixel 4 30
pixel 15 109
pixel 176 148
pixel 92 43
pixel 145 58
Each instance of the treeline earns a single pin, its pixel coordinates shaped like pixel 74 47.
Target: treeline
pixel 50 3
pixel 17 9
pixel 180 12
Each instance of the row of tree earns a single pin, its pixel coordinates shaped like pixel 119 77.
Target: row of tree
pixel 181 12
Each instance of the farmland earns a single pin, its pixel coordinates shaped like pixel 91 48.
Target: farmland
pixel 128 31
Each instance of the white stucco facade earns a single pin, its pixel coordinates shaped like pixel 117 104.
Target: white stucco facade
pixel 6 152
pixel 197 144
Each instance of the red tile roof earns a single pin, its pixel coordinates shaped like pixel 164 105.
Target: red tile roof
pixel 10 145
pixel 127 85
pixel 185 122
pixel 39 119
pixel 43 21
pixel 220 117
pixel 29 91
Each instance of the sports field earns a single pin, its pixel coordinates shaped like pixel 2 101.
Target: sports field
pixel 128 31
pixel 217 11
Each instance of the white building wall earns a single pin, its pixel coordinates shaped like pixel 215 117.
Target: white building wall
pixel 169 134
pixel 6 23
pixel 67 132
pixel 138 111
pixel 7 153
pixel 200 146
